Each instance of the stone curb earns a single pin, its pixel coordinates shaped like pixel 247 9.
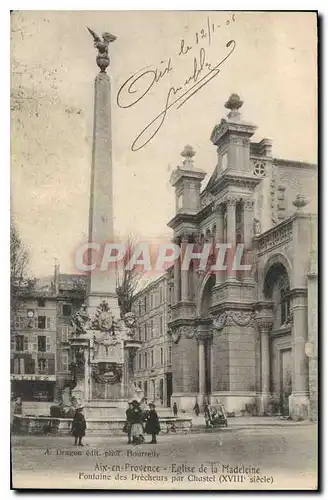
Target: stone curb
pixel 201 429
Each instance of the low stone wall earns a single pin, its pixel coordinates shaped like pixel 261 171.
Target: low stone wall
pixel 95 427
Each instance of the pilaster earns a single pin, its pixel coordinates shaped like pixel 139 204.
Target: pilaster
pixel 219 237
pixel 299 399
pixel 264 320
pixel 231 203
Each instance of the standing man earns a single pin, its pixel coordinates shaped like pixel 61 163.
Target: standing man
pixel 152 423
pixel 207 415
pixel 175 409
pixel 128 422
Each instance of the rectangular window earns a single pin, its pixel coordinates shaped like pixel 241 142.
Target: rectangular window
pixel 146 360
pixel 30 366
pixel 64 334
pixel 16 366
pixel 41 322
pixel 51 366
pixel 151 328
pixel 152 357
pixel 42 366
pixel 161 295
pixel 22 366
pixel 145 303
pixel 34 343
pixel 67 310
pixel 139 333
pixel 42 343
pixel 170 355
pixel 139 362
pixel 41 303
pixel 19 343
pixel 146 332
pixel 162 356
pixel 140 311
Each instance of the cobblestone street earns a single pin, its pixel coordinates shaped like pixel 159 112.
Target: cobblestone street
pixel 251 458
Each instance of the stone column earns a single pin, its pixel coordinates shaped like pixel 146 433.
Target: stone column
pixel 264 323
pixel 219 237
pixel 201 366
pixel 231 234
pixel 184 273
pixel 300 395
pixel 203 335
pixel 177 276
pixel 248 235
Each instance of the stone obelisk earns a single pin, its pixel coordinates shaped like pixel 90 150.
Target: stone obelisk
pixel 101 284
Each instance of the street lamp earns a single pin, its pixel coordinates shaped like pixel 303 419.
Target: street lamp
pixel 30 315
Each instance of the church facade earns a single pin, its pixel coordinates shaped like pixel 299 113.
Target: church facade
pixel 246 338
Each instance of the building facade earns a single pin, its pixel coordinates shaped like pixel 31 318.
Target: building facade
pixel 39 351
pixel 153 361
pixel 33 350
pixel 246 338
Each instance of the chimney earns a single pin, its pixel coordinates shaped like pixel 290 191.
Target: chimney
pixel 56 276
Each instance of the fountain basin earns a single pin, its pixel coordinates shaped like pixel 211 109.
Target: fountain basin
pixel 24 424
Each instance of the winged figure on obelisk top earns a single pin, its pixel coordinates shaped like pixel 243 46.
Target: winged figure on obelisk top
pixel 102 46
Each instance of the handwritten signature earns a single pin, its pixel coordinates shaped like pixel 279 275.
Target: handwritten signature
pixel 137 86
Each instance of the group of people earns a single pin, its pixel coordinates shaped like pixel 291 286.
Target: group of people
pixel 140 422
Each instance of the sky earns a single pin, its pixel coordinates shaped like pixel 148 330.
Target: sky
pixel 273 69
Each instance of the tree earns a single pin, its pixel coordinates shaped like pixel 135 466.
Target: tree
pixel 127 279
pixel 18 266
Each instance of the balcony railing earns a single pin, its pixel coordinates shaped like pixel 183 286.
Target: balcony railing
pixel 278 235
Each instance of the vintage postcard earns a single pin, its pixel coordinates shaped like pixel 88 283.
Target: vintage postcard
pixel 164 250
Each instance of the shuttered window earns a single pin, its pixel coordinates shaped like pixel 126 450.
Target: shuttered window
pixel 48 343
pixel 51 366
pixel 64 334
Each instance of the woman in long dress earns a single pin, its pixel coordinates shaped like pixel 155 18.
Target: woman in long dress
pixel 136 417
pixel 78 426
pixel 152 424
